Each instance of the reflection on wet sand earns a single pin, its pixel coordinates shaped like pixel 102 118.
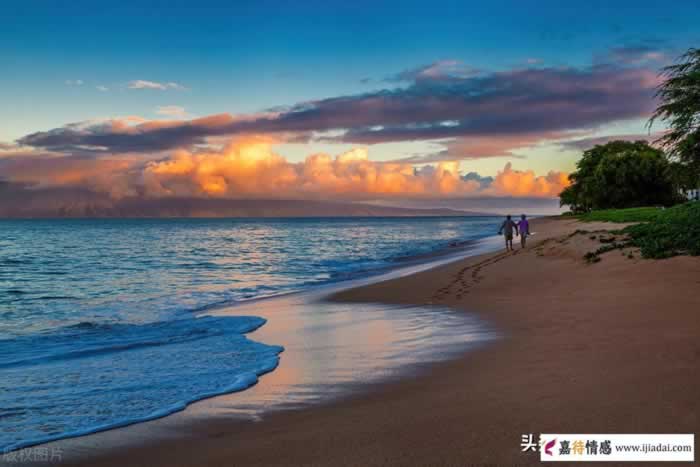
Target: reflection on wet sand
pixel 333 347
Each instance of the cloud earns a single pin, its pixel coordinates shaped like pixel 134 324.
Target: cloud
pixel 12 150
pixel 143 84
pixel 128 135
pixel 638 54
pixel 517 102
pixel 516 107
pixel 48 170
pixel 587 143
pixel 483 147
pixel 248 168
pixel 172 111
pixel 443 70
pixel 74 82
pixel 524 183
pixel 102 88
pixel 484 182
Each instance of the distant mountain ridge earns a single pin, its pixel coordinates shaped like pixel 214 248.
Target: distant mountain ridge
pixel 50 203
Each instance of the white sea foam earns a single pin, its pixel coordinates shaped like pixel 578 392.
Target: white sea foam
pixel 88 378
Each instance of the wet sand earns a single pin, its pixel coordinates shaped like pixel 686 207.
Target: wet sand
pixel 610 347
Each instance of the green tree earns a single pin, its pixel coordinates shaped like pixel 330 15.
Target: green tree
pixel 620 174
pixel 680 108
pixel 685 176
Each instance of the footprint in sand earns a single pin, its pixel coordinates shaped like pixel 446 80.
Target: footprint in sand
pixel 464 282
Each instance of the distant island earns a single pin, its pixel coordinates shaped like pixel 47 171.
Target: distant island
pixel 53 203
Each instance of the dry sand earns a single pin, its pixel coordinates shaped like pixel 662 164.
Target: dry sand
pixel 611 347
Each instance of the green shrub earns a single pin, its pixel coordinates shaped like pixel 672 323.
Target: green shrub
pixel 674 231
pixel 622 215
pixel 594 256
pixel 591 257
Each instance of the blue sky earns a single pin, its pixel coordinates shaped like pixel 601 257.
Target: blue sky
pixel 67 62
pixel 247 56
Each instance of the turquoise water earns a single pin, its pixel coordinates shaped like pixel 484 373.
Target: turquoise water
pixel 100 320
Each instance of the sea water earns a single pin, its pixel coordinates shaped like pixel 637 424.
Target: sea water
pixel 102 321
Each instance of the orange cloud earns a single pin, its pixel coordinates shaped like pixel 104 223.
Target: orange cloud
pixel 526 183
pixel 249 168
pixel 113 176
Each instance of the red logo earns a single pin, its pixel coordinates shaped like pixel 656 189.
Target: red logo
pixel 548 447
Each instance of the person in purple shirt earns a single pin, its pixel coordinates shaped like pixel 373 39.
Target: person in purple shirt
pixel 524 229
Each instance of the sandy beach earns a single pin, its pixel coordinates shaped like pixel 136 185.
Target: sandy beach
pixel 610 347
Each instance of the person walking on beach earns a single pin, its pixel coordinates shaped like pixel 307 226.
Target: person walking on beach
pixel 524 229
pixel 507 230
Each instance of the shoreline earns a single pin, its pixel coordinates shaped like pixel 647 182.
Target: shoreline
pixel 389 366
pixel 589 327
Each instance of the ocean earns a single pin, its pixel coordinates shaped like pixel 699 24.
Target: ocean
pixel 105 323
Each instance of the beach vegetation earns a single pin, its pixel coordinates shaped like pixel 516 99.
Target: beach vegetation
pixel 594 256
pixel 658 233
pixel 675 231
pixel 620 174
pixel 643 214
pixel 591 257
pixel 685 175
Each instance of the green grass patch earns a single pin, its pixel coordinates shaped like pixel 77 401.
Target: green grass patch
pixel 622 215
pixel 673 231
pixel 660 233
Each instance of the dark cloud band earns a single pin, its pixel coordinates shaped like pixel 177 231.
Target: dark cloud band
pixel 434 105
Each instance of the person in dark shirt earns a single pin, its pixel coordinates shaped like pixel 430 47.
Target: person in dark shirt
pixel 506 230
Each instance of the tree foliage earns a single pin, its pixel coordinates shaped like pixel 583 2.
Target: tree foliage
pixel 680 108
pixel 620 174
pixel 685 175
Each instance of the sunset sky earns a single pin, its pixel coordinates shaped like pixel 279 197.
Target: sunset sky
pixel 358 101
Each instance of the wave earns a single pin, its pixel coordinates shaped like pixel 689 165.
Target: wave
pixel 15 292
pixel 240 383
pixel 87 339
pixel 91 376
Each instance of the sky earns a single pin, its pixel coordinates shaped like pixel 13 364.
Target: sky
pixel 400 102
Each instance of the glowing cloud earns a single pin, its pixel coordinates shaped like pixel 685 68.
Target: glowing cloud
pixel 248 168
pixel 526 183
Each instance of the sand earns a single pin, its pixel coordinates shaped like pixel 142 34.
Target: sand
pixel 610 347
